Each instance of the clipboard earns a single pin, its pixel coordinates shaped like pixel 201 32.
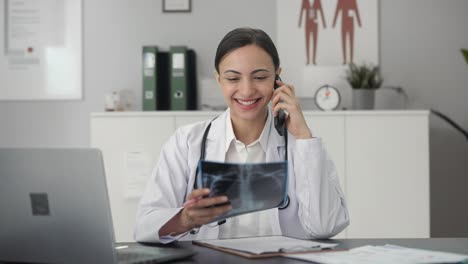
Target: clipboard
pixel 251 255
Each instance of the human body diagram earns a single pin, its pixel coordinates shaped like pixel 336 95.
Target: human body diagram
pixel 349 11
pixel 311 26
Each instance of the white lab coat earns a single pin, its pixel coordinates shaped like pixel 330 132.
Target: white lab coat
pixel 317 207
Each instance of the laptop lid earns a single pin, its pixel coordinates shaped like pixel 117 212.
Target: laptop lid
pixel 55 209
pixel 54 206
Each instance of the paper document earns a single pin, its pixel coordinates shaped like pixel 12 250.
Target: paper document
pixel 269 244
pixel 138 170
pixel 382 255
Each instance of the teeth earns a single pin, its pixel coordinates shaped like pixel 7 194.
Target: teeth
pixel 246 102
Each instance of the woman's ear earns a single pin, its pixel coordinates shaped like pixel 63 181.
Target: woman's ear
pixel 217 77
pixel 278 71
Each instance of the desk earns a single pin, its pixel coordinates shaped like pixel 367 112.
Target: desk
pixel 207 255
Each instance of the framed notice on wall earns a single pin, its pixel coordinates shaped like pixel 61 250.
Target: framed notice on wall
pixel 41 50
pixel 177 5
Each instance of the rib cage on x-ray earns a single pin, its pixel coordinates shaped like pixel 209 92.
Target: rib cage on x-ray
pixel 249 187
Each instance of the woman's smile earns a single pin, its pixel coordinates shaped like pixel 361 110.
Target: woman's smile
pixel 247 104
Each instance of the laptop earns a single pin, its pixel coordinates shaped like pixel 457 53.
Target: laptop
pixel 55 209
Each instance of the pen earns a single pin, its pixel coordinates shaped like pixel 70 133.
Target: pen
pixel 300 249
pixel 121 247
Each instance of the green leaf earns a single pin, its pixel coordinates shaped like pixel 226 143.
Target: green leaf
pixel 465 54
pixel 364 76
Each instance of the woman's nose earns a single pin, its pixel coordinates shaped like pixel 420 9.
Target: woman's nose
pixel 246 88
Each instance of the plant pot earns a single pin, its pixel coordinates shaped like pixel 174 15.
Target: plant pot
pixel 363 99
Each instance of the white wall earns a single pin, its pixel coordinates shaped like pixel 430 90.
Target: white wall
pixel 114 31
pixel 419 49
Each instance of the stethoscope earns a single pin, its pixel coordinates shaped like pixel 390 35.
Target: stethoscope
pixel 203 154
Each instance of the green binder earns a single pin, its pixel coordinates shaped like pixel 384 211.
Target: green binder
pixel 150 78
pixel 183 80
pixel 178 73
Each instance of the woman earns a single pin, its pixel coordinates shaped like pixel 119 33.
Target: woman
pixel 246 69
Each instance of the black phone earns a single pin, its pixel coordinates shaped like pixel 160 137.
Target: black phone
pixel 280 119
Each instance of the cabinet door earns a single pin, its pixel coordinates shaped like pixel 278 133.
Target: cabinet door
pixel 388 175
pixel 130 147
pixel 330 128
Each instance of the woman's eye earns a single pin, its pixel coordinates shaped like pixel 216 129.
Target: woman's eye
pixel 232 79
pixel 260 77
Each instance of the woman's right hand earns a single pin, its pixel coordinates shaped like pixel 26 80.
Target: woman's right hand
pixel 200 209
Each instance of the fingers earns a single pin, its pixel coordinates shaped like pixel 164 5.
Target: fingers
pixel 198 194
pixel 200 209
pixel 197 217
pixel 283 87
pixel 209 212
pixel 283 95
pixel 207 202
pixel 284 98
pixel 198 199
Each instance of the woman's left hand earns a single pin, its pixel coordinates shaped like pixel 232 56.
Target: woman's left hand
pixel 284 98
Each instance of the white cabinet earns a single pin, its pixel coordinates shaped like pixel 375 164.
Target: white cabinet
pixel 387 174
pixel 382 158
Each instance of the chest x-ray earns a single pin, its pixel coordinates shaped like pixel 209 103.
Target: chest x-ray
pixel 249 187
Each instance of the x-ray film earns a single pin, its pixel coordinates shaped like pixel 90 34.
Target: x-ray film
pixel 249 187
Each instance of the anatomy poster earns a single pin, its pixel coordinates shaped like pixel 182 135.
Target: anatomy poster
pixel 313 34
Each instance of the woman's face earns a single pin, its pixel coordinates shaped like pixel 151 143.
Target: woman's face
pixel 246 77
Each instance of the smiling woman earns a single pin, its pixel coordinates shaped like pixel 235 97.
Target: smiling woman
pixel 247 68
pixel 246 78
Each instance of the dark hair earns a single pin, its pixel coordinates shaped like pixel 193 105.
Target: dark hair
pixel 241 37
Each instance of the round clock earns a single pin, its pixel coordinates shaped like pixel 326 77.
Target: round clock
pixel 327 98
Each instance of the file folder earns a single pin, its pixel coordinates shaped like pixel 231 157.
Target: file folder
pixel 155 79
pixel 183 91
pixel 149 78
pixel 162 87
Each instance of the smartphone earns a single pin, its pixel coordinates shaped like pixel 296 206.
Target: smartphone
pixel 280 119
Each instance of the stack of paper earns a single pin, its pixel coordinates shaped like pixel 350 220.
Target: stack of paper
pixel 382 255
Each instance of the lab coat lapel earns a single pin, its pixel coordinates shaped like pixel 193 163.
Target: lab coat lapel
pixel 275 151
pixel 216 140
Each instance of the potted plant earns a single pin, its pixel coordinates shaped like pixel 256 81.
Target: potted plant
pixel 364 79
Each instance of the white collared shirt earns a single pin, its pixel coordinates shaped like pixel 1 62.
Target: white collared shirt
pixel 252 224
